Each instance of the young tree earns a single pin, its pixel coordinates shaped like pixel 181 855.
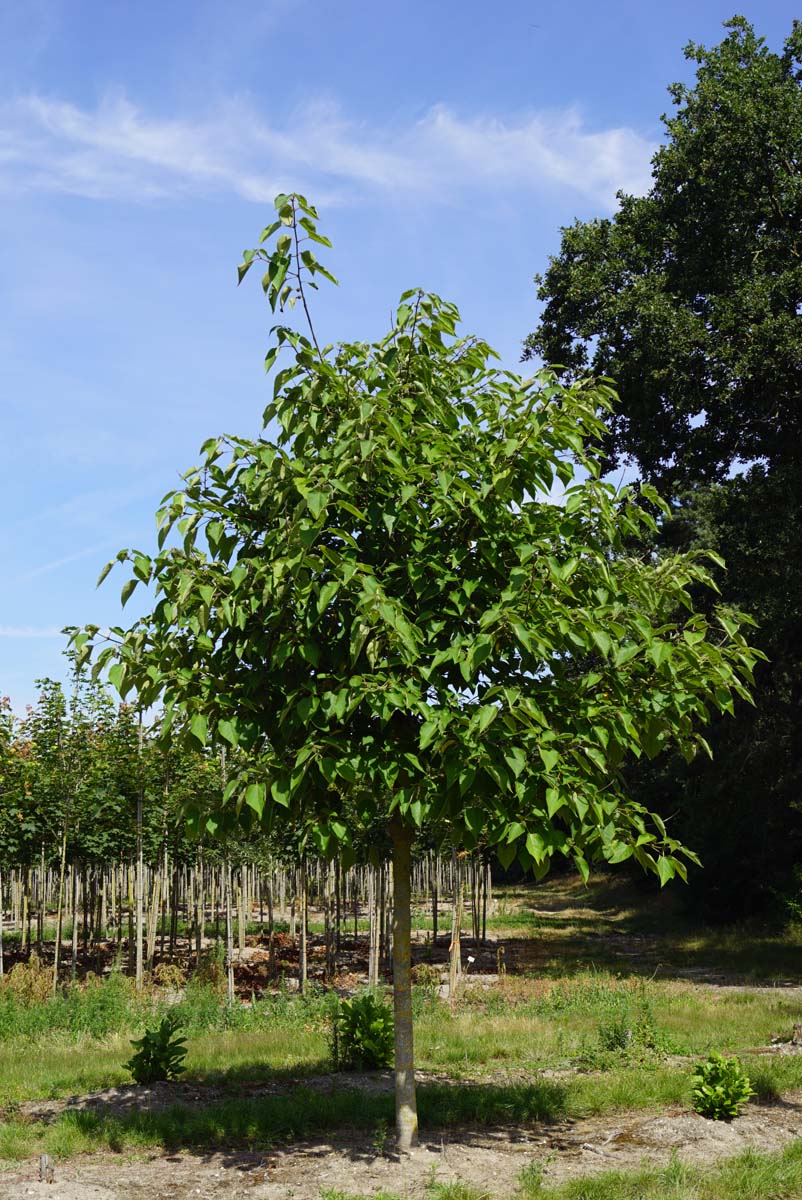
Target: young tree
pixel 385 612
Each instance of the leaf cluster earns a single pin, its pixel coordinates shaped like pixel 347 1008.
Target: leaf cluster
pixel 720 1086
pixel 362 1033
pixel 159 1053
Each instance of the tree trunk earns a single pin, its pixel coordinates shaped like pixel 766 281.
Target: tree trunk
pixel 229 936
pixel 302 963
pixel 139 863
pixel 433 872
pixel 455 951
pixel 62 873
pixel 74 936
pixel 406 1108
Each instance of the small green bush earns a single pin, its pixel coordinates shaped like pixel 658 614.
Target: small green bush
pixel 628 1034
pixel 719 1087
pixel 159 1054
pixel 362 1034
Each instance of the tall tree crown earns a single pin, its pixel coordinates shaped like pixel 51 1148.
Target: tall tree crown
pixel 691 297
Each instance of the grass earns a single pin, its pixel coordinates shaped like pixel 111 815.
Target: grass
pixel 615 1026
pixel 261 1121
pixel 240 1114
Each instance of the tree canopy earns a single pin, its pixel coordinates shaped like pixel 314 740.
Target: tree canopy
pixel 690 297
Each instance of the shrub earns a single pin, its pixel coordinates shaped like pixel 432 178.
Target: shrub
pixel 210 970
pixel 28 983
pixel 159 1054
pixel 168 977
pixel 362 1034
pixel 719 1087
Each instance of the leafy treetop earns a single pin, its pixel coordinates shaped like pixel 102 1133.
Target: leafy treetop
pixel 383 601
pixel 690 297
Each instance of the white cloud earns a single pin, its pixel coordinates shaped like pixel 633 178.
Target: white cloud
pixel 116 151
pixel 29 631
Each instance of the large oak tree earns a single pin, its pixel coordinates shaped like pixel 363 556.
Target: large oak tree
pixel 690 297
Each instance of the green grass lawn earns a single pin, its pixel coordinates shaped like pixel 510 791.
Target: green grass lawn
pixel 493 1047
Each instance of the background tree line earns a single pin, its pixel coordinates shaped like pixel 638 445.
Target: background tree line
pixel 92 802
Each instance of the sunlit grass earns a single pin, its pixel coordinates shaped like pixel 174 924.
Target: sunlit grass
pixel 494 1042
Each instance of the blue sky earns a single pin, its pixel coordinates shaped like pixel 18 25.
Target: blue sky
pixel 140 147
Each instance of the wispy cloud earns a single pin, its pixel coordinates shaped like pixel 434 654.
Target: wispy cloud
pixel 29 631
pixel 55 563
pixel 117 151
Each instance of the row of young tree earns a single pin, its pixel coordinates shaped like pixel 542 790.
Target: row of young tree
pixel 95 849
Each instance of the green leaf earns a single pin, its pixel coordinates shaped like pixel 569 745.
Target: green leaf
pixel 485 716
pixel 602 640
pixel 665 870
pixel 255 797
pixel 228 731
pixel 280 791
pixel 428 732
pixel 554 801
pixel 105 572
pixel 198 727
pixel 550 758
pixel 316 502
pixel 117 676
pixel 127 590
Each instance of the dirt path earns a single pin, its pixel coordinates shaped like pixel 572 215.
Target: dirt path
pixel 490 1159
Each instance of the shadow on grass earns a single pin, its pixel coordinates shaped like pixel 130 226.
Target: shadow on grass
pixel 238 1124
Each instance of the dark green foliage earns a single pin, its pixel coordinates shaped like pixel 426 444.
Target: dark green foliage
pixel 693 291
pixel 691 299
pixel 719 1087
pixel 362 1033
pixel 159 1053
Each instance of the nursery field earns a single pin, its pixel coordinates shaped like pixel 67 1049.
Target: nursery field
pixel 561 1068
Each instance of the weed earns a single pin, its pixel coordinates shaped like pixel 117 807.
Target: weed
pixel 629 1034
pixel 159 1053
pixel 720 1086
pixel 362 1033
pixel 530 1178
pixel 379 1139
pixel 210 971
pixel 168 977
pixel 28 983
